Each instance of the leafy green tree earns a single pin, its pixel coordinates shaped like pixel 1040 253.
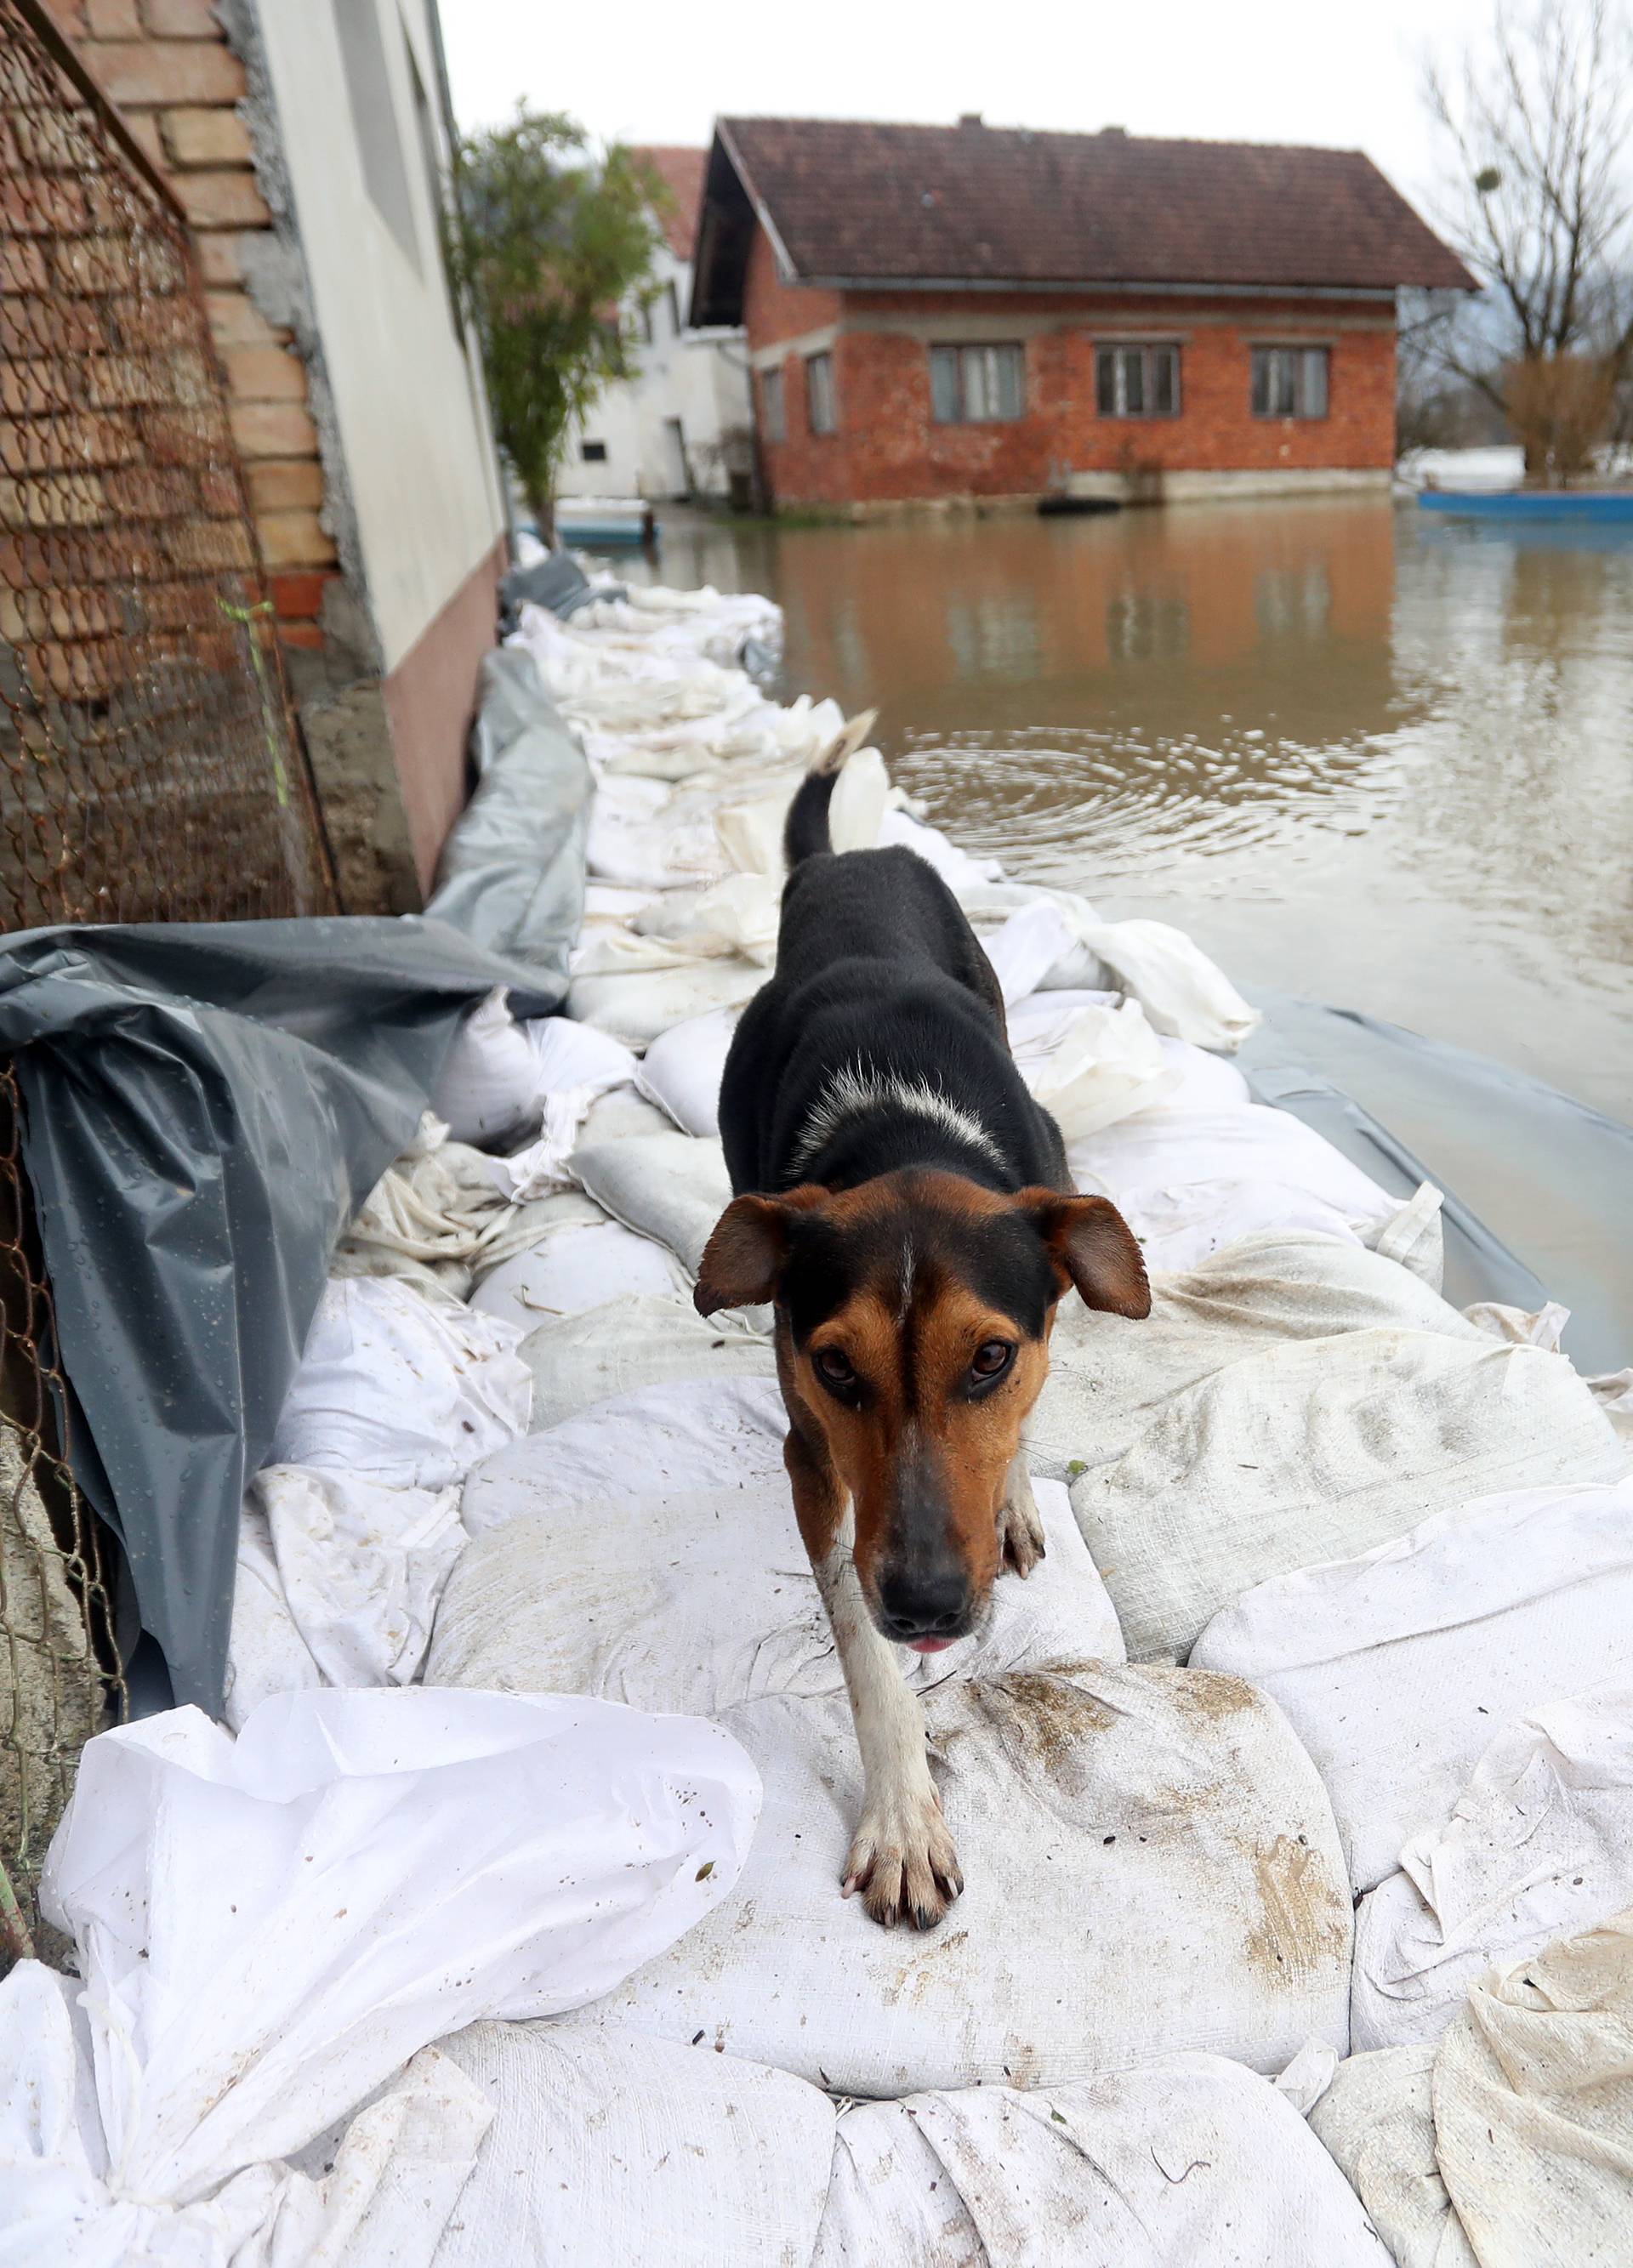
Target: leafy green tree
pixel 552 246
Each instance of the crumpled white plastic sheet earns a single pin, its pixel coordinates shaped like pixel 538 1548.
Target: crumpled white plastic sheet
pixel 269 1929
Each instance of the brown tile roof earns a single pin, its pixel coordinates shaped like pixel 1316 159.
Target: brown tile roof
pixel 984 204
pixel 682 173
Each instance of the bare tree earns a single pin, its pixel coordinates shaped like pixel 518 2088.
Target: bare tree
pixel 1538 123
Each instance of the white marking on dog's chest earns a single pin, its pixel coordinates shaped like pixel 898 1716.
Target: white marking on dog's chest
pixel 853 1089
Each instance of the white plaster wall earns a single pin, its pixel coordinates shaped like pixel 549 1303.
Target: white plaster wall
pixel 408 401
pixel 700 377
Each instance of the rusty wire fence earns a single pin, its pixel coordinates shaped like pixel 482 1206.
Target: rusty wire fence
pixel 149 768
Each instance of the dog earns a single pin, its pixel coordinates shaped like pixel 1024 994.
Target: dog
pixel 908 1207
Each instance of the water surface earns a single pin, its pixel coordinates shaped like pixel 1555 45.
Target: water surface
pixel 1379 762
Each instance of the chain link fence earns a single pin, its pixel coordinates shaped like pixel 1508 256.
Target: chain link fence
pixel 149 768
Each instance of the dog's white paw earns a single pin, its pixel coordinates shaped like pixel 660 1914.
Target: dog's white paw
pixel 1020 1525
pixel 902 1861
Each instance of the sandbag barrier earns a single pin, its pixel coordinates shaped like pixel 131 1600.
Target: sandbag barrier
pixel 1333 1611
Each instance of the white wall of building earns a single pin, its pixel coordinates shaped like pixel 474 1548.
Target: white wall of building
pixel 353 82
pixel 695 381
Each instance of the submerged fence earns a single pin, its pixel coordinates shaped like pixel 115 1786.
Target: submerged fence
pixel 149 769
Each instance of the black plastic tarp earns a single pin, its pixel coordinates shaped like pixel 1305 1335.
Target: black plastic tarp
pixel 204 1109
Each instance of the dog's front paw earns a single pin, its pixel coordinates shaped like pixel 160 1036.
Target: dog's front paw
pixel 903 1862
pixel 1020 1525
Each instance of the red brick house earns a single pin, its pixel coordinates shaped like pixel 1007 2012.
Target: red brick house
pixel 964 313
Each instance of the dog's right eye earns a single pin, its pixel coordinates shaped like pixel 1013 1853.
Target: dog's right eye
pixel 832 1366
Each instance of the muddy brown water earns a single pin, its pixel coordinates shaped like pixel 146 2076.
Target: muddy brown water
pixel 1371 760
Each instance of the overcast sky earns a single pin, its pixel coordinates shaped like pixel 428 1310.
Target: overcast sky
pixel 1260 71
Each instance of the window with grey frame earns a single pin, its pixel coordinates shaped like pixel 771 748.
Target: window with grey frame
pixel 773 418
pixel 978 385
pixel 374 117
pixel 822 410
pixel 1137 381
pixel 1291 381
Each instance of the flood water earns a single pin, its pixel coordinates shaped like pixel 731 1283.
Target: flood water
pixel 1377 762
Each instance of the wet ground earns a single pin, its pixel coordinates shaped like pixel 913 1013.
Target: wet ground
pixel 1377 763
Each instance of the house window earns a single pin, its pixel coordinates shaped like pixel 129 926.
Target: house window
pixel 771 416
pixel 1137 381
pixel 819 403
pixel 977 385
pixel 1289 381
pixel 593 452
pixel 374 118
pixel 673 306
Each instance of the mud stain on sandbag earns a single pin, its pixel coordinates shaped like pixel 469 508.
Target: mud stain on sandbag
pixel 1304 1923
pixel 1045 1722
pixel 926 1971
pixel 1206 1696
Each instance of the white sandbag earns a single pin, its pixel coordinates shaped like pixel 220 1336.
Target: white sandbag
pixel 1085 1804
pixel 270 1928
pixel 642 1339
pixel 526 1222
pixel 621 1113
pixel 1189 2162
pixel 403 1392
pixel 856 810
pixel 1532 2094
pixel 1397 1666
pixel 636 1009
pixel 1319 1451
pixel 681 1071
pixel 486 1089
pixel 566 1055
pixel 1378 2121
pixel 1540 1847
pixel 1097 1066
pixel 1109 1377
pixel 1186 995
pixel 646 1551
pixel 1545 1328
pixel 1613 1393
pixel 576 1269
pixel 739 915
pixel 1027 947
pixel 1189 1183
pixel 609 2150
pixel 358 1568
pixel 1206 1084
pixel 423 1220
pixel 671 1186
pixel 957 868
pixel 1507 2146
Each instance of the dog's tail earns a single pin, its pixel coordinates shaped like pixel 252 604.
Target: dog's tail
pixel 805 830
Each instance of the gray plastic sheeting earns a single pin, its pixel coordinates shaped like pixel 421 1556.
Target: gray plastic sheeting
pixel 204 1109
pixel 512 871
pixel 1540 1181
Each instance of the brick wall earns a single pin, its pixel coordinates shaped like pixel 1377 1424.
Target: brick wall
pixel 167 65
pixel 888 448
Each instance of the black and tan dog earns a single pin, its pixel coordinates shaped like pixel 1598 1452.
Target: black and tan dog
pixel 908 1208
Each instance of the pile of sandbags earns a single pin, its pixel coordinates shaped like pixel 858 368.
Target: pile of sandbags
pixel 1331 1611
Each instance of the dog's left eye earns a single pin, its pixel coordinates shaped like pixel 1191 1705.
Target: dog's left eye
pixel 835 1368
pixel 993 1359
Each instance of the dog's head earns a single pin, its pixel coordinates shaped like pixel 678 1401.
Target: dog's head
pixel 917 1309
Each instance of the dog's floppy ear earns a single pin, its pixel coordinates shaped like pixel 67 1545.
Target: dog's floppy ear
pixel 744 1259
pixel 1092 1247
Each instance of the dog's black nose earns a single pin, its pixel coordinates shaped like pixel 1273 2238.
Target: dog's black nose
pixel 924 1602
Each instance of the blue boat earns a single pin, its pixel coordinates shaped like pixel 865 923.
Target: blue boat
pixel 1581 507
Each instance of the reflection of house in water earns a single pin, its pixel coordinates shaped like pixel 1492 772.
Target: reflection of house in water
pixel 1146 625
pixel 1293 601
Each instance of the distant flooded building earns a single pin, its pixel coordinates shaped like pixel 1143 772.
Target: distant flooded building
pixel 679 425
pixel 953 313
